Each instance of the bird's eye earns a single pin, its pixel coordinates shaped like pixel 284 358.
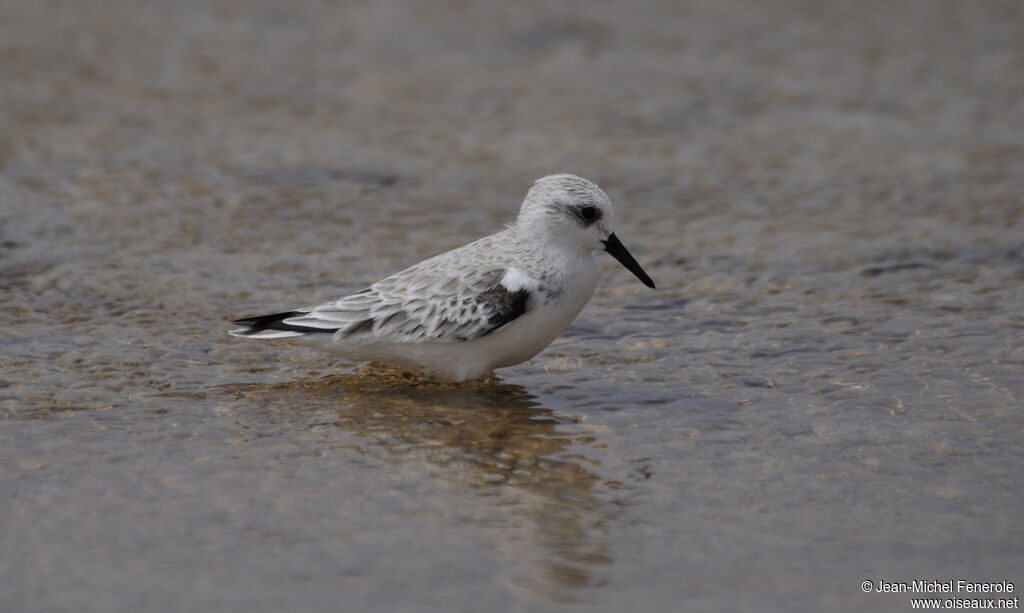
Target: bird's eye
pixel 588 213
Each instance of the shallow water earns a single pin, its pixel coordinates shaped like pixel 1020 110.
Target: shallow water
pixel 826 387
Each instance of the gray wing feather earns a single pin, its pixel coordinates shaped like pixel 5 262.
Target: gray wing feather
pixel 427 302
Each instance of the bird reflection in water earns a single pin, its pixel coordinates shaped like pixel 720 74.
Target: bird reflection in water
pixel 495 439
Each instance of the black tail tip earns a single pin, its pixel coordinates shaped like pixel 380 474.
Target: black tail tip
pixel 263 322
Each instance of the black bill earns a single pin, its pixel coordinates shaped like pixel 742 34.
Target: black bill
pixel 613 246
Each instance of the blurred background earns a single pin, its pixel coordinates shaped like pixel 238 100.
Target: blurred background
pixel 826 388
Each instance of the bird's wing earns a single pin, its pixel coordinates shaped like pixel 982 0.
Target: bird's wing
pixel 459 295
pixel 423 303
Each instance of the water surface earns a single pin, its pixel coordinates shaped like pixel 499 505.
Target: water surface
pixel 826 388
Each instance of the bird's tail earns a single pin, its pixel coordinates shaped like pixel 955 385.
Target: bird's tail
pixel 272 326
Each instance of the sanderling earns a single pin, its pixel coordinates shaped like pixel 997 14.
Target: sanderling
pixel 495 302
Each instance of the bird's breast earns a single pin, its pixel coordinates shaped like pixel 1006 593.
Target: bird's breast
pixel 554 305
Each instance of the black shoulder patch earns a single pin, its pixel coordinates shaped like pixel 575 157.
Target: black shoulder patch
pixel 276 322
pixel 507 305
